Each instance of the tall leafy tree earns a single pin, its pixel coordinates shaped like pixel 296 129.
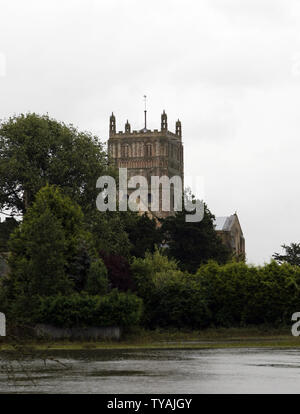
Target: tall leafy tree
pixel 108 230
pixel 36 150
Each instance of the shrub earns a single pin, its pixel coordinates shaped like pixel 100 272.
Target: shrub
pixel 114 309
pixel 177 302
pixel 226 289
pixel 233 294
pixel 144 270
pixel 171 297
pixel 239 294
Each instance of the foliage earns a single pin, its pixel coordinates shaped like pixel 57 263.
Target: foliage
pixel 239 294
pixel 6 228
pixel 291 256
pixel 123 233
pixel 193 243
pixel 108 232
pixel 234 294
pixel 48 172
pixel 143 233
pixel 97 280
pixel 78 266
pixel 145 270
pixel 171 297
pixel 36 150
pixel 41 249
pixel 114 309
pixel 37 259
pixel 118 269
pixel 3 264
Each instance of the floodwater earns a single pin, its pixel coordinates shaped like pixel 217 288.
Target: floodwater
pixel 253 370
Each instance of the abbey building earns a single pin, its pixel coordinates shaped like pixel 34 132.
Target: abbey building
pixel 159 153
pixel 148 152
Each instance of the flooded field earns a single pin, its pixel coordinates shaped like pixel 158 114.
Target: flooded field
pixel 251 370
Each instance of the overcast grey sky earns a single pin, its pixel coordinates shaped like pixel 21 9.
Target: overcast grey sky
pixel 229 69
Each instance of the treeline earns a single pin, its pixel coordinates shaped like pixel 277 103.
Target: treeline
pixel 162 295
pixel 234 294
pixel 71 265
pixel 62 273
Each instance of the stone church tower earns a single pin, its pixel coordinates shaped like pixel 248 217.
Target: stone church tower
pixel 148 153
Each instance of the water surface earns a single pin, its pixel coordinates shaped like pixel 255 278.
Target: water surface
pixel 252 370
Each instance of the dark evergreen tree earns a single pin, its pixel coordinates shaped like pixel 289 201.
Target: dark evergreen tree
pixel 6 228
pixel 144 233
pixel 42 251
pixel 193 244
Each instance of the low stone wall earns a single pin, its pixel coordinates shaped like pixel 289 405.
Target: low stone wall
pixel 91 332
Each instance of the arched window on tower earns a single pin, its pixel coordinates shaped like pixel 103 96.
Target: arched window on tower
pixel 124 151
pixel 148 150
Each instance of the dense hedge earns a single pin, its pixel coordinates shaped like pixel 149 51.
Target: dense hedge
pixel 171 297
pixel 235 294
pixel 239 294
pixel 114 309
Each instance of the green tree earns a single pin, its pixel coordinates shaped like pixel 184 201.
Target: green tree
pixel 97 280
pixel 108 230
pixel 291 256
pixel 143 232
pixel 37 258
pixel 193 243
pixel 144 271
pixel 41 249
pixel 6 228
pixel 124 233
pixel 36 150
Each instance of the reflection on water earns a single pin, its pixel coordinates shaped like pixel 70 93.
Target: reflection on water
pixel 159 371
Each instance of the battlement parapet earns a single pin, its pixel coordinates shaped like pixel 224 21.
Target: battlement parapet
pixel 143 134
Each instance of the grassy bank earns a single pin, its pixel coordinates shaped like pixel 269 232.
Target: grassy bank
pixel 174 339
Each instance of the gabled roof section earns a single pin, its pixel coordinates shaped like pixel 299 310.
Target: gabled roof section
pixel 226 223
pixel 219 223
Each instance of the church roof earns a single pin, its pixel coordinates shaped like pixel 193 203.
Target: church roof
pixel 224 223
pixel 219 223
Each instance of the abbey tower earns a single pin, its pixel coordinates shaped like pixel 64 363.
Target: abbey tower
pixel 146 152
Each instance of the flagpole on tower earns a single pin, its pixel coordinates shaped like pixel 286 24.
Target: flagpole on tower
pixel 145 111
